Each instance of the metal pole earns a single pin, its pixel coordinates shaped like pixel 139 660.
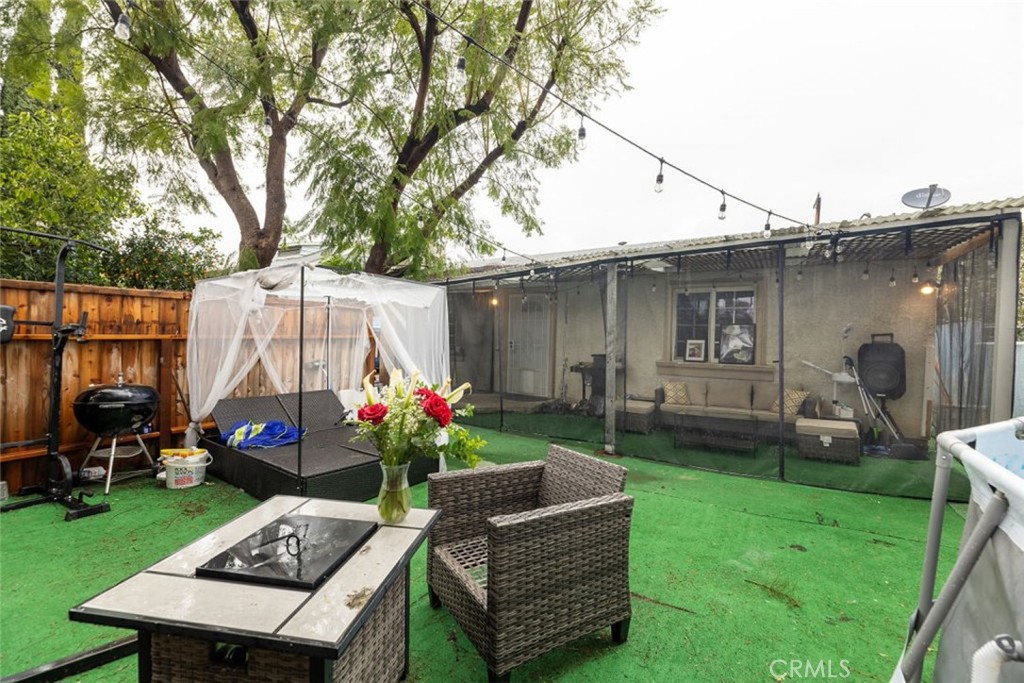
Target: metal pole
pixel 610 339
pixel 969 554
pixel 781 269
pixel 302 330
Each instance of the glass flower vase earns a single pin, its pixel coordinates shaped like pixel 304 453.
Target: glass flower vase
pixel 395 499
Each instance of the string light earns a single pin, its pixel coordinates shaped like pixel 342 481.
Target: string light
pixel 581 136
pixel 767 232
pixel 420 221
pixel 892 278
pixel 721 209
pixel 268 126
pixel 914 278
pixel 659 181
pixel 123 28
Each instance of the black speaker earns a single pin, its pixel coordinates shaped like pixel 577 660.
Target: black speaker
pixel 882 366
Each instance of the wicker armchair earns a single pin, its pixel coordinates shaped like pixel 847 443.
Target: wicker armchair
pixel 528 557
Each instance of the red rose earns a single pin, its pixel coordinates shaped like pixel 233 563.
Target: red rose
pixel 374 414
pixel 436 407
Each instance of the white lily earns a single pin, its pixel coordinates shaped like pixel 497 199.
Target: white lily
pixel 456 396
pixel 368 389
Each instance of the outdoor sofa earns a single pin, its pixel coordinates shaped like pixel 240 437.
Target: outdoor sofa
pixel 730 412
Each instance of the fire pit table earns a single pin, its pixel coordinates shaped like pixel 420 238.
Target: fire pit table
pixel 350 623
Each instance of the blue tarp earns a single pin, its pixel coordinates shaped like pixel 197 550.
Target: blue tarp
pixel 261 434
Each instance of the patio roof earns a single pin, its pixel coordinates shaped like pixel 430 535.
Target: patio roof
pixel 936 235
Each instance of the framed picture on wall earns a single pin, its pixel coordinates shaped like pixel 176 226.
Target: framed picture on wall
pixel 695 351
pixel 737 347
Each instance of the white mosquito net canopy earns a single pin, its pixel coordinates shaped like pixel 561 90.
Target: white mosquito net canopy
pixel 252 328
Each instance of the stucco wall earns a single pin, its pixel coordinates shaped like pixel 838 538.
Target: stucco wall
pixel 817 308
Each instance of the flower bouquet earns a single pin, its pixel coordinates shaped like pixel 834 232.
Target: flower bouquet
pixel 408 418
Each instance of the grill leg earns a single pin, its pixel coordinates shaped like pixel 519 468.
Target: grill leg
pixel 145 451
pixel 110 466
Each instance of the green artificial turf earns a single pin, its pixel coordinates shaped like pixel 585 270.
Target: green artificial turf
pixel 874 474
pixel 728 574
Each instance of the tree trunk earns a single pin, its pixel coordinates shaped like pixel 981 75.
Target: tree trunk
pixel 378 258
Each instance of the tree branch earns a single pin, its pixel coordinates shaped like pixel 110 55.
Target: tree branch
pixel 499 151
pixel 336 105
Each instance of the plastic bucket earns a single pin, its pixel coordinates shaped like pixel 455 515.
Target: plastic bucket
pixel 185 467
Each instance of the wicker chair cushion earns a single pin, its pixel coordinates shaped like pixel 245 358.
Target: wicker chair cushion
pixel 676 394
pixel 792 400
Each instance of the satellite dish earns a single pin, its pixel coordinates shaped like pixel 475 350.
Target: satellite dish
pixel 927 197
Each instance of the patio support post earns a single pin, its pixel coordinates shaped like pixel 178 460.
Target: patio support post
pixel 302 335
pixel 610 339
pixel 781 270
pixel 1004 349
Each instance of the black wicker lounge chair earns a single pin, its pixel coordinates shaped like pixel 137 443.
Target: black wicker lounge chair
pixel 333 466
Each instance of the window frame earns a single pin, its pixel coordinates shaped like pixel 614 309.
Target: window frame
pixel 677 347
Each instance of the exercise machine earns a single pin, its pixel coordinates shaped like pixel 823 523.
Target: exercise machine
pixel 60 478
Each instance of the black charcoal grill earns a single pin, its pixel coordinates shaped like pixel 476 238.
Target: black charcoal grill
pixel 113 410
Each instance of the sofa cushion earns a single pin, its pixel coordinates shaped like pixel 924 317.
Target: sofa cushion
pixel 729 394
pixel 728 413
pixel 768 417
pixel 765 393
pixel 673 409
pixel 792 400
pixel 676 394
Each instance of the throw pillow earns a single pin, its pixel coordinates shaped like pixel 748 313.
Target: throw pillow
pixel 792 399
pixel 676 394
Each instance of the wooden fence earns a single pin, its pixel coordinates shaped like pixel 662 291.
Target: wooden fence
pixel 137 333
pixel 141 334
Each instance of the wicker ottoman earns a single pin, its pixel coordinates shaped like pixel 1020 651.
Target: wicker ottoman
pixel 638 416
pixel 831 440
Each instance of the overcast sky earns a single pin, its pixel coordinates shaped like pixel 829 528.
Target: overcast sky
pixel 777 101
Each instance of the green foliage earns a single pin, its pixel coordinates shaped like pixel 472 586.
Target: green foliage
pixel 489 135
pixel 48 183
pixel 161 258
pixel 389 135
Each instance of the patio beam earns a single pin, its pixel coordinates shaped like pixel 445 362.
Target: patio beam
pixel 1004 349
pixel 611 332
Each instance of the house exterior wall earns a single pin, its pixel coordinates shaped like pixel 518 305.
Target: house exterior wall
pixel 817 308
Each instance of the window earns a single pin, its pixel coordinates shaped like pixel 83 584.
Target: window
pixel 717 326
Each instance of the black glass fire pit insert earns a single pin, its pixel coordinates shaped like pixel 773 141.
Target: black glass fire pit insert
pixel 296 551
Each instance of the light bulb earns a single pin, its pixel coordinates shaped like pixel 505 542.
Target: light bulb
pixel 840 247
pixel 914 278
pixel 808 243
pixel 767 232
pixel 865 275
pixel 268 126
pixel 654 286
pixel 928 288
pixel 123 28
pixel 581 138
pixel 420 221
pixel 658 182
pixel 800 275
pixel 892 279
pixel 460 71
pixel 828 252
pixel 721 209
pixel 494 301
